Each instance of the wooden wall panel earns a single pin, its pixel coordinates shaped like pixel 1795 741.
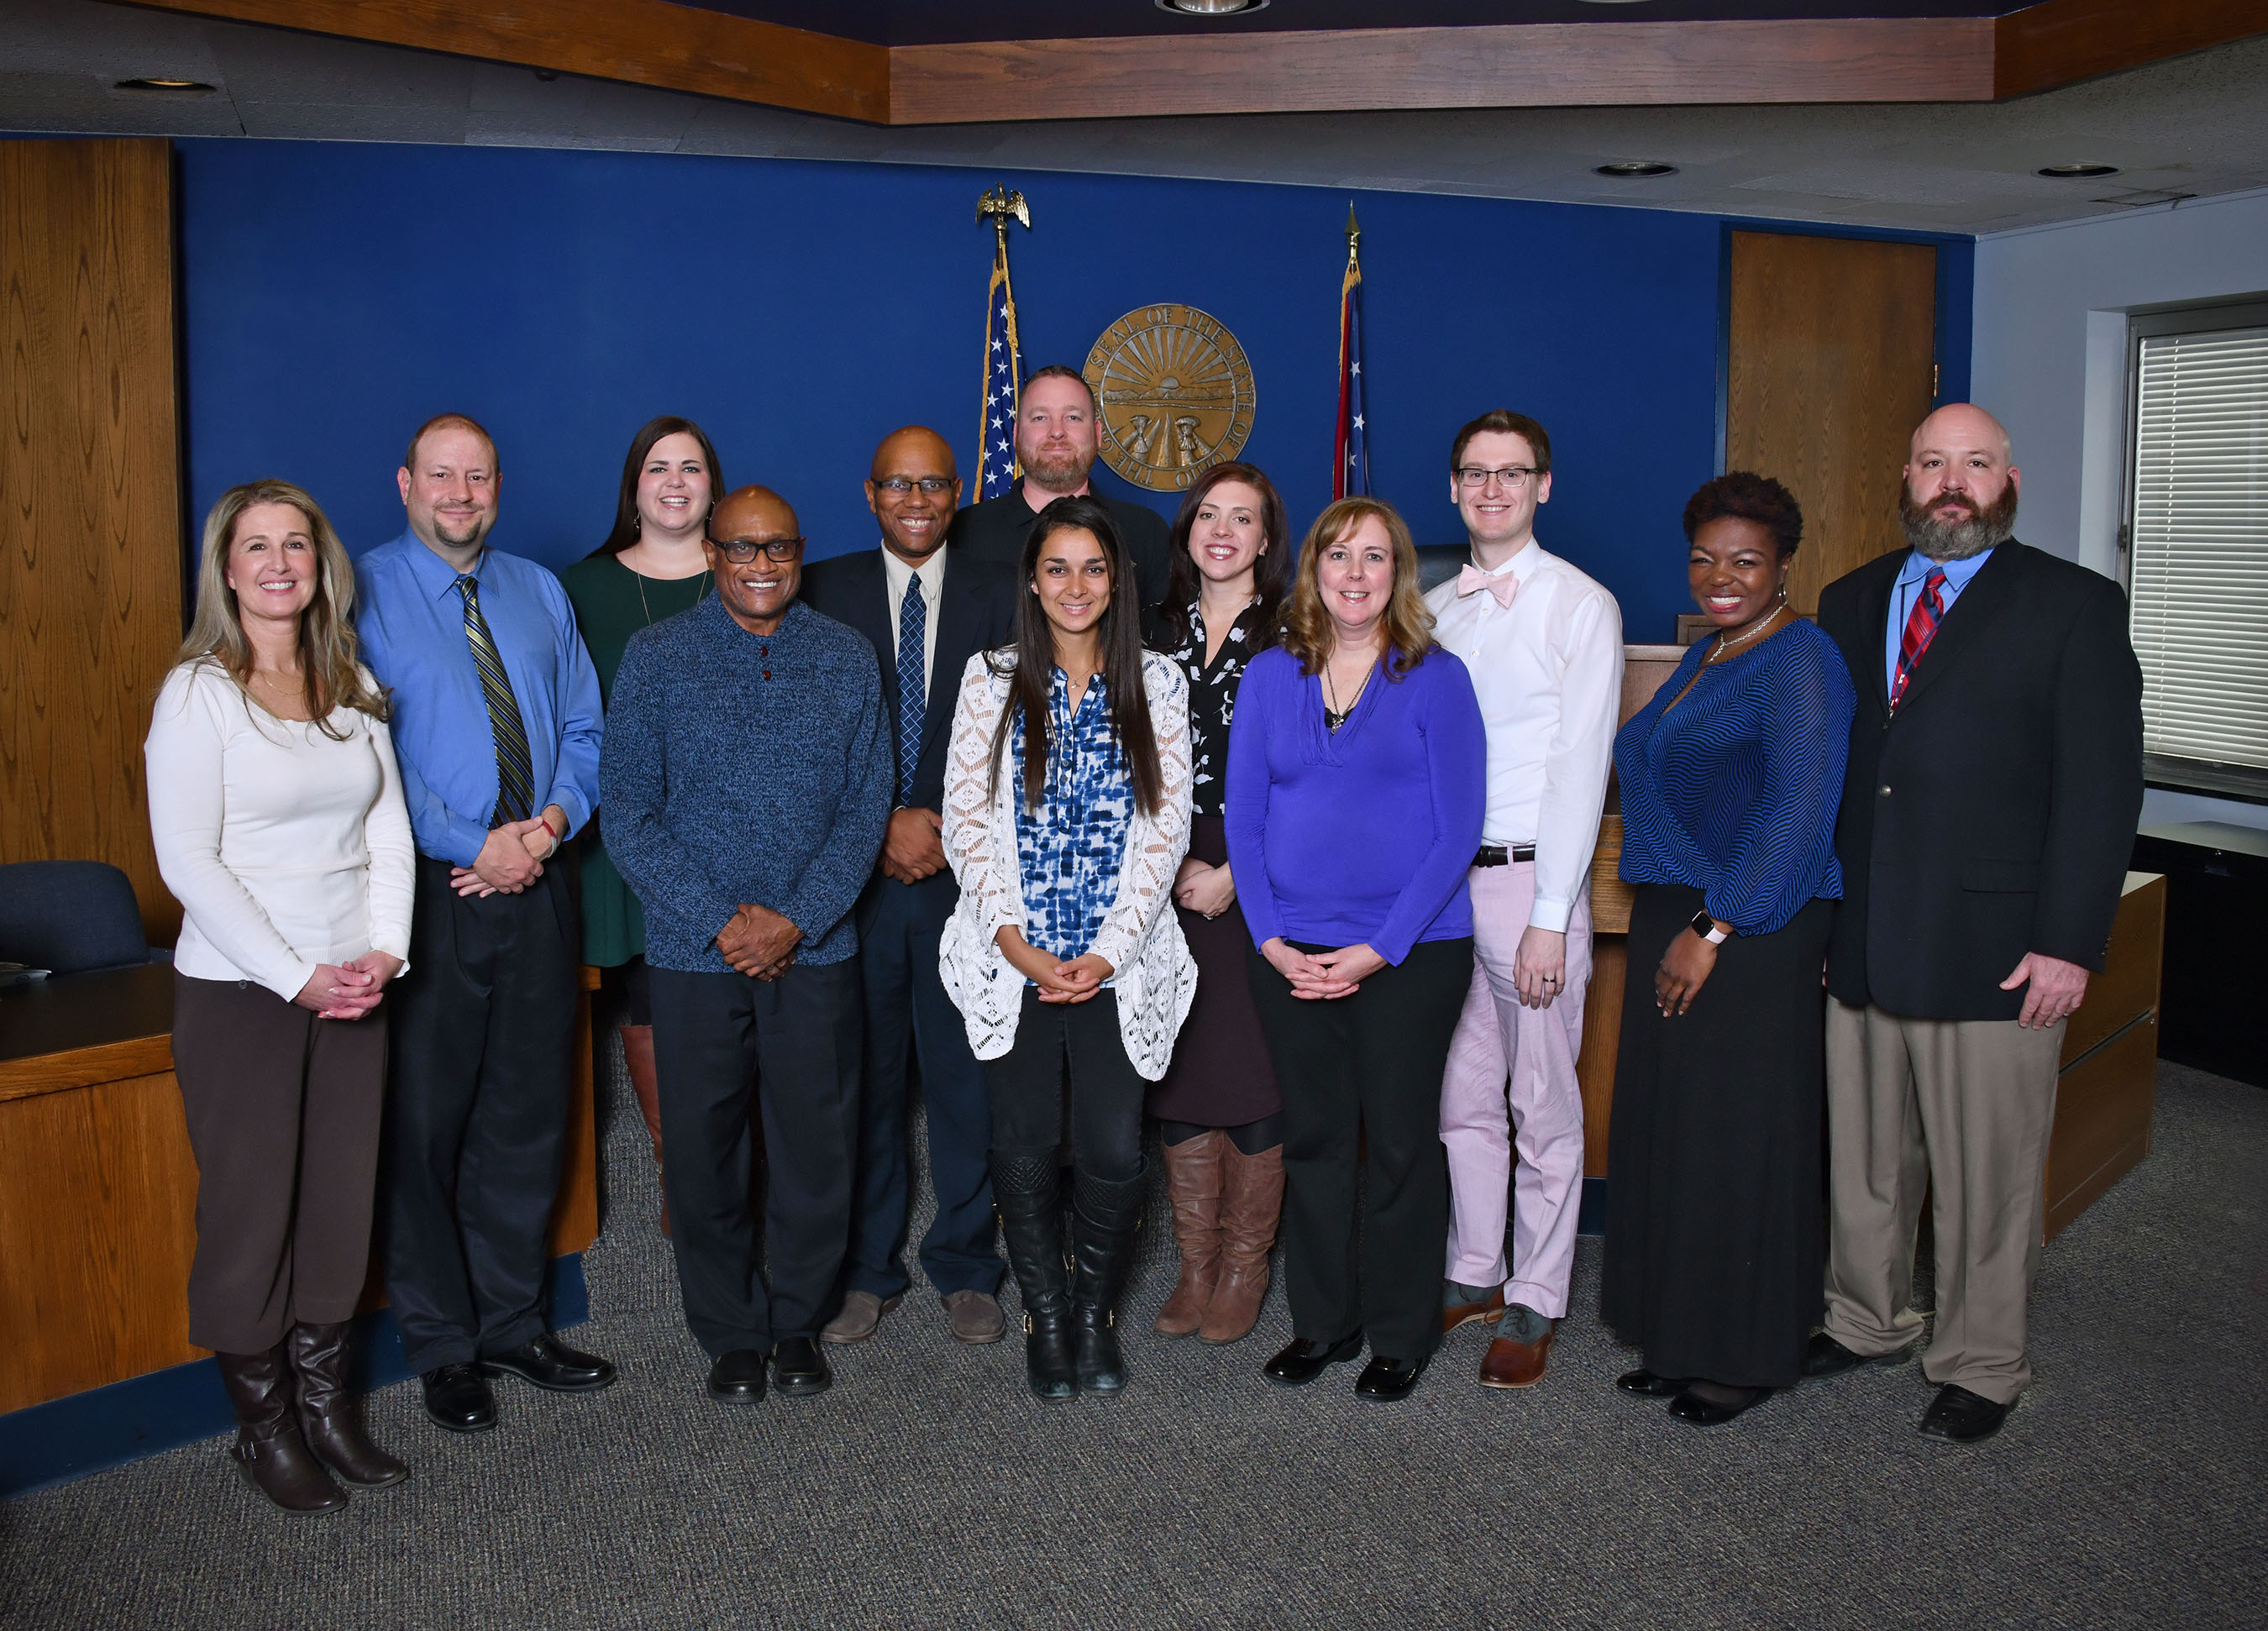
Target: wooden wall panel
pixel 90 500
pixel 2045 46
pixel 1832 364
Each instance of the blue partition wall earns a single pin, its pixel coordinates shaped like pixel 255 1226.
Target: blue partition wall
pixel 337 294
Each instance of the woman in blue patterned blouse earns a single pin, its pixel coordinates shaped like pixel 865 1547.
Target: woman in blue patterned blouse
pixel 1730 780
pixel 1067 812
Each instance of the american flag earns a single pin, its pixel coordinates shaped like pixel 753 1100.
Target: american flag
pixel 1352 475
pixel 1003 379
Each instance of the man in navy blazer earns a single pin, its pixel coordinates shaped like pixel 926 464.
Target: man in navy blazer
pixel 1993 783
pixel 926 610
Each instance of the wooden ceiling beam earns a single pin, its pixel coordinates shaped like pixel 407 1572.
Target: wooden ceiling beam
pixel 2063 41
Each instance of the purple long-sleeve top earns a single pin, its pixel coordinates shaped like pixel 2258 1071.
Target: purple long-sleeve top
pixel 1364 835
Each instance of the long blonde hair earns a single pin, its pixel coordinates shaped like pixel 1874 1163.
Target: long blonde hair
pixel 1308 632
pixel 329 660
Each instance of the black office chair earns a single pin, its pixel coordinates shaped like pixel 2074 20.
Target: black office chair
pixel 1439 563
pixel 69 917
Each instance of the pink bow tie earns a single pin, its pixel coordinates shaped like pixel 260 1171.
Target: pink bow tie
pixel 1503 586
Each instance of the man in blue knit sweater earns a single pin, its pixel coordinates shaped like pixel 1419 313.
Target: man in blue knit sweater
pixel 746 777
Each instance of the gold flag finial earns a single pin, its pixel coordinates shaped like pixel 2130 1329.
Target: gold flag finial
pixel 1003 203
pixel 1353 230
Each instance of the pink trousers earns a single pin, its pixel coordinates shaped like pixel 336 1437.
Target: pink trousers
pixel 1510 1085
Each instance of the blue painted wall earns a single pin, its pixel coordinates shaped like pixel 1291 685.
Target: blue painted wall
pixel 338 294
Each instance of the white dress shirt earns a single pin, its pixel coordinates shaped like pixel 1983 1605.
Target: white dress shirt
pixel 286 847
pixel 930 575
pixel 1548 670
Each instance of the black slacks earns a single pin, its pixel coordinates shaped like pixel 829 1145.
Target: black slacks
pixel 1069 1055
pixel 794 1043
pixel 283 1112
pixel 476 1118
pixel 910 1018
pixel 1366 1064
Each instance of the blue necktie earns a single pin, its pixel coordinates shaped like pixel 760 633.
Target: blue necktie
pixel 913 701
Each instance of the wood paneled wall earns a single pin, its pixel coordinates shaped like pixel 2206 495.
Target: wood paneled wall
pixel 91 556
pixel 1833 364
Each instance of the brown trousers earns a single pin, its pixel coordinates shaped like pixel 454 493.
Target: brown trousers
pixel 1962 1109
pixel 283 1110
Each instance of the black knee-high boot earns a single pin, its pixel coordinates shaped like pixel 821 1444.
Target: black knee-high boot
pixel 1104 1218
pixel 1027 1192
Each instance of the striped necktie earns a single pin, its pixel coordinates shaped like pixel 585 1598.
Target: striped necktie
pixel 913 687
pixel 1921 628
pixel 515 780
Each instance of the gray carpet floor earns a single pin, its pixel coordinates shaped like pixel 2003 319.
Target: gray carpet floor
pixel 928 1489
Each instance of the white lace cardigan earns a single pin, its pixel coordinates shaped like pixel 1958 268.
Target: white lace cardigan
pixel 1154 974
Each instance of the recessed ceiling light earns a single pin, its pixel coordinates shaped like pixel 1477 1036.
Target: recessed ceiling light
pixel 166 87
pixel 1211 8
pixel 1637 167
pixel 2066 173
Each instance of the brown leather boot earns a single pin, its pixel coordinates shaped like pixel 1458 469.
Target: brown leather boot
pixel 1192 1182
pixel 269 1451
pixel 326 1416
pixel 1252 1201
pixel 638 1056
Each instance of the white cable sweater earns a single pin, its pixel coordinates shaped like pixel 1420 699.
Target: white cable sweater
pixel 285 848
pixel 1153 974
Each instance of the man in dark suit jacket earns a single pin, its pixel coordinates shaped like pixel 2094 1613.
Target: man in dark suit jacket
pixel 1994 780
pixel 1055 443
pixel 926 609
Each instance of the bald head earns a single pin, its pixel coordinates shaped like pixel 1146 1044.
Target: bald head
pixel 1960 484
pixel 752 513
pixel 913 491
pixel 759 523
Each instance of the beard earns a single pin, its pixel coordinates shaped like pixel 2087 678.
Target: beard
pixel 1058 473
pixel 1972 535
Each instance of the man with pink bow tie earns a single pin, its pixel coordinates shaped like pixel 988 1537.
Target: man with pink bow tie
pixel 1544 644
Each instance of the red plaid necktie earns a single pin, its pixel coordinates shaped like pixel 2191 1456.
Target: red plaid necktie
pixel 1921 628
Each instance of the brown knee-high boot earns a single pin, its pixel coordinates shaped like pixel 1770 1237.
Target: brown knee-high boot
pixel 637 1056
pixel 326 1412
pixel 1192 1182
pixel 269 1450
pixel 1252 1201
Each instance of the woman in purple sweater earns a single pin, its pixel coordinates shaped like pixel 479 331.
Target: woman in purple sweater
pixel 1356 773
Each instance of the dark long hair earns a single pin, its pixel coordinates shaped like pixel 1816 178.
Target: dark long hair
pixel 1269 574
pixel 1029 665
pixel 626 515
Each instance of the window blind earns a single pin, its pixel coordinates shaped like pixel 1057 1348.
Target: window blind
pixel 2199 574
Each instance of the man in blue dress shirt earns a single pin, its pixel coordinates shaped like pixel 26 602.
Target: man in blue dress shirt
pixel 496 727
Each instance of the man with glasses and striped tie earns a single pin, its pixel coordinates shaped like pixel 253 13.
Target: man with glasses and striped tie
pixel 497 723
pixel 926 609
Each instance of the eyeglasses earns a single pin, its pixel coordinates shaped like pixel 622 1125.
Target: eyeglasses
pixel 931 486
pixel 1514 476
pixel 741 551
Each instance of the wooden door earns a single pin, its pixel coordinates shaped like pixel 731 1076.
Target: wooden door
pixel 91 557
pixel 1832 364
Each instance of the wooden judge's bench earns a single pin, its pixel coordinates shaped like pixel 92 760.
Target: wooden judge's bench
pixel 2110 1044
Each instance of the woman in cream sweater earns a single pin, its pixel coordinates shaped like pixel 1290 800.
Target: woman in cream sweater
pixel 279 826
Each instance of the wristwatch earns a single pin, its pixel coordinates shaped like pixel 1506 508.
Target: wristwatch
pixel 1706 926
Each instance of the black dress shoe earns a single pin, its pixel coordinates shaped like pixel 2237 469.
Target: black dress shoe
pixel 457 1397
pixel 1386 1381
pixel 1690 1406
pixel 1645 1384
pixel 798 1369
pixel 1303 1360
pixel 1825 1356
pixel 546 1361
pixel 738 1377
pixel 1962 1417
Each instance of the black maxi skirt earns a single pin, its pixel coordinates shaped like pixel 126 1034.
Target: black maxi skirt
pixel 1716 1208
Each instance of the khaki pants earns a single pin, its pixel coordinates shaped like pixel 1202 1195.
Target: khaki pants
pixel 1961 1108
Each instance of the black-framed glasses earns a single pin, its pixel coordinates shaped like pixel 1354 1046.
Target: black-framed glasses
pixel 1514 476
pixel 931 486
pixel 741 551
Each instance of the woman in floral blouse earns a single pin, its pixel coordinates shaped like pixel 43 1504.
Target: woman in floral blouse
pixel 1218 1107
pixel 1066 815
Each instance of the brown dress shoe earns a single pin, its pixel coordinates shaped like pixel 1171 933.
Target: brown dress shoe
pixel 638 1058
pixel 1489 1309
pixel 1192 1182
pixel 974 1316
pixel 1508 1364
pixel 1252 1201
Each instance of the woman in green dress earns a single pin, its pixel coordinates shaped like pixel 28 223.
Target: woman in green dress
pixel 650 567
